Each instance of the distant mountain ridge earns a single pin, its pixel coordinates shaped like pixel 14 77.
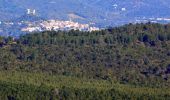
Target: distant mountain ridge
pixel 101 12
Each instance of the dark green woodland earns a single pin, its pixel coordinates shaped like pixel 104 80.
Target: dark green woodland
pixel 130 62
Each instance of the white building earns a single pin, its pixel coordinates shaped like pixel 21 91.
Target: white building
pixel 31 12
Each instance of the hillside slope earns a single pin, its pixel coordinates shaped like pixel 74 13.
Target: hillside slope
pixel 127 62
pixel 133 54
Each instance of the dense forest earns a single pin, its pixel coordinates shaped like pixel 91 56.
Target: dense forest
pixel 126 62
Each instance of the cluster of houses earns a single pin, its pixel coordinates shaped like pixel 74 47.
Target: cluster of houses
pixel 58 25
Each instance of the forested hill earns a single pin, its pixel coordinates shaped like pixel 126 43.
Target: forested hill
pixel 136 55
pixel 131 54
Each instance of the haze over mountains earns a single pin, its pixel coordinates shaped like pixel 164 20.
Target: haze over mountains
pixel 102 12
pixel 96 13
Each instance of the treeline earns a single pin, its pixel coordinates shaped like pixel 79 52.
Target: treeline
pixel 131 54
pixel 10 89
pixel 24 92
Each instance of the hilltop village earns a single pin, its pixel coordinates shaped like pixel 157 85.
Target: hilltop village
pixel 57 25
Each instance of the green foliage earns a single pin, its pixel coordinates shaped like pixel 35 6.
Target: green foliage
pixel 137 55
pixel 41 86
